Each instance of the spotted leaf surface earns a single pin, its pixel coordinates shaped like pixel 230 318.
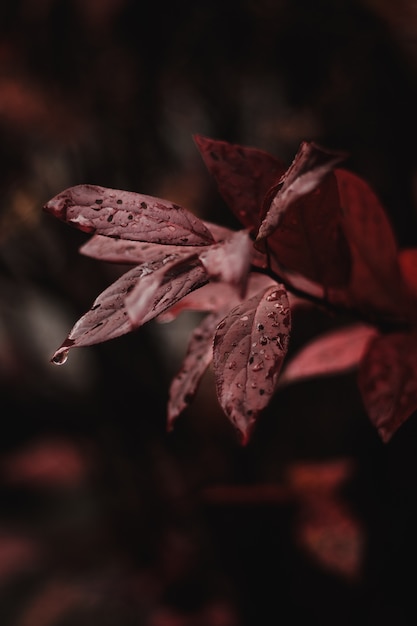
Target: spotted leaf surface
pixel 129 252
pixel 308 169
pixel 198 357
pixel 128 215
pixel 334 352
pixel 388 381
pixel 243 176
pixel 108 317
pixel 250 345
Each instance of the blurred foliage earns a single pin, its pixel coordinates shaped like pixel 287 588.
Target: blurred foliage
pixel 105 518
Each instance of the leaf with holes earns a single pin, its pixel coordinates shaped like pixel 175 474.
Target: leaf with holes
pixel 250 345
pixel 128 215
pixel 387 380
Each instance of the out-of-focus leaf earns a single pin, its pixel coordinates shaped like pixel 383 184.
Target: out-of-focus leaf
pixel 308 479
pixel 376 283
pixel 407 259
pixel 250 345
pixel 334 352
pixel 128 215
pixel 309 238
pixel 308 169
pixel 18 553
pixel 198 357
pixel 243 176
pixel 47 463
pixel 325 528
pixel 387 380
pixel 229 261
pixel 53 602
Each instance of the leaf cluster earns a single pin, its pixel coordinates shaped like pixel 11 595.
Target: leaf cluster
pixel 311 232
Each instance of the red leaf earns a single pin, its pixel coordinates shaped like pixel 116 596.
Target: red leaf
pixel 407 260
pixel 325 527
pixel 308 169
pixel 198 357
pixel 158 291
pixel 250 345
pixel 243 176
pixel 128 215
pixel 334 352
pixel 109 318
pixel 52 462
pixel 387 381
pixel 215 297
pixel 19 554
pixel 133 252
pixel 230 260
pixel 375 283
pixel 310 240
pixel 219 233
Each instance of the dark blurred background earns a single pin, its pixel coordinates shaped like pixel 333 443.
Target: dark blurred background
pixel 105 518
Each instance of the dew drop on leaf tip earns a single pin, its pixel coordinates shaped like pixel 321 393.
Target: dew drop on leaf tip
pixel 60 358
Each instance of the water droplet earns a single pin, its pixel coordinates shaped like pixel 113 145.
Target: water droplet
pixel 239 385
pixel 61 358
pixel 254 344
pixel 254 385
pixel 244 318
pixel 258 367
pixel 273 296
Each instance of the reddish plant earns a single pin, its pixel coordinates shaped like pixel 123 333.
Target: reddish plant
pixel 311 231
